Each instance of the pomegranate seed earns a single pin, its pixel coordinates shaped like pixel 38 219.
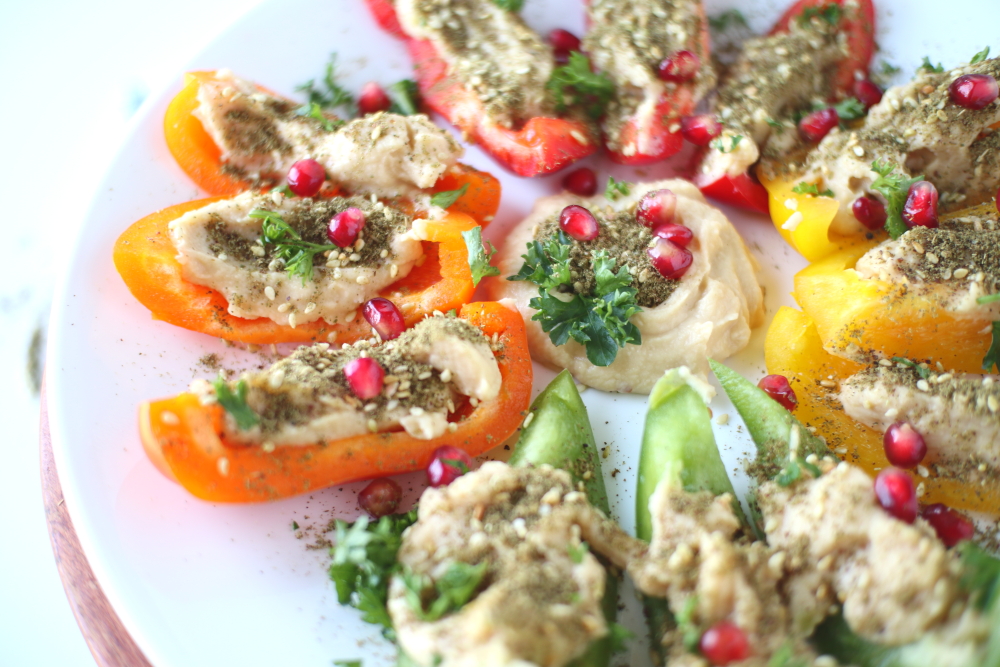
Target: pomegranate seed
pixel 895 493
pixel 818 124
pixel 448 464
pixel 677 234
pixel 974 91
pixel 778 388
pixel 344 227
pixel 867 92
pixel 384 317
pixel 578 222
pixel 670 259
pixel 869 211
pixel 380 497
pixel 700 130
pixel 680 67
pixel 364 375
pixel 951 527
pixel 581 182
pixel 921 208
pixel 724 643
pixel 656 208
pixel 904 447
pixel 306 177
pixel 373 99
pixel 563 43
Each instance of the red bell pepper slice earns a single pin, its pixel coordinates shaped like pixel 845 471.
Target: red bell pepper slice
pixel 146 260
pixel 742 191
pixel 190 447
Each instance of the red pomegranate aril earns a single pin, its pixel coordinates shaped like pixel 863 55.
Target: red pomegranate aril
pixel 867 92
pixel 656 208
pixel 951 527
pixel 724 643
pixel 578 222
pixel 582 181
pixel 381 497
pixel 818 124
pixel 306 177
pixel 778 388
pixel 373 99
pixel 895 493
pixel 563 43
pixel 448 464
pixel 677 234
pixel 365 376
pixel 869 211
pixel 384 317
pixel 921 208
pixel 904 447
pixel 700 130
pixel 680 67
pixel 670 259
pixel 974 91
pixel 344 227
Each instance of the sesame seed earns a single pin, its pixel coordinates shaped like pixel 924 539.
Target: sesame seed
pixel 393 270
pixel 921 490
pixel 791 204
pixel 446 375
pixel 350 316
pixel 223 256
pixel 923 386
pixel 292 320
pixel 918 248
pixel 528 419
pixel 276 379
pixel 372 425
pixel 992 403
pixel 223 465
pixel 722 419
pixel 793 222
pixel 268 447
pixel 384 253
pixel 424 375
pixel 452 427
pixel 169 418
pixel 931 257
pixel 859 151
pixel 473 401
pixel 269 292
pixel 362 280
pixel 892 413
pixel 257 250
pixel 582 140
pixel 829 384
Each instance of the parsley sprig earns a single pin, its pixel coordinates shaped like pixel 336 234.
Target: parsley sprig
pixel 289 247
pixel 804 188
pixel 332 95
pixel 315 111
pixel 831 13
pixel 927 66
pixel 992 357
pixel 405 97
pixel 575 85
pixel 479 259
pixel 981 575
pixel 510 5
pixel 616 189
pixel 850 109
pixel 981 56
pixel 895 188
pixel 720 145
pixel 598 321
pixel 731 17
pixel 922 371
pixel 432 600
pixel 446 198
pixel 235 403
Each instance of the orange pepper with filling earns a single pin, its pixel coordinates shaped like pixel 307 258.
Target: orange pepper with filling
pixel 794 348
pixel 145 258
pixel 190 446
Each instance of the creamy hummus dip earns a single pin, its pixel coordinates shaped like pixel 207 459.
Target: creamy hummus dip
pixel 305 399
pixel 261 136
pixel 220 246
pixel 709 312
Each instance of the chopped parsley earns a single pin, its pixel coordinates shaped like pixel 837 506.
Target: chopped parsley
pixel 981 576
pixel 448 197
pixel 598 321
pixel 295 525
pixel 616 189
pixel 405 97
pixel 333 95
pixel 719 144
pixel 619 635
pixel 364 560
pixel 235 403
pixel 992 357
pixel 895 188
pixel 289 247
pixel 929 67
pixel 690 633
pixel 831 13
pixel 574 85
pixel 576 553
pixel 315 111
pixel 509 5
pixel 804 188
pixel 347 663
pixel 887 69
pixel 922 371
pixel 451 592
pixel 981 56
pixel 729 18
pixel 850 109
pixel 479 258
pixel 793 471
pixel 785 657
pixel 778 125
pixel 285 190
pixel 989 298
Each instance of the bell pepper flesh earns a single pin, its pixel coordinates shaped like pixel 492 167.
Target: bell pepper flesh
pixel 146 259
pixel 793 348
pixel 742 191
pixel 884 317
pixel 193 446
pixel 201 159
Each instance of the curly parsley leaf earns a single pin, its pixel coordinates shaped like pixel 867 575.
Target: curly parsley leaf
pixel 804 188
pixel 992 357
pixel 777 125
pixel 981 56
pixel 619 635
pixel 830 13
pixel 334 95
pixel 729 18
pixel 981 576
pixel 405 97
pixel 510 5
pixel 720 144
pixel 850 109
pixel 616 189
pixel 575 85
pixel 479 258
pixel 926 65
pixel 448 197
pixel 451 592
pixel 576 553
pixel 922 371
pixel 895 188
pixel 235 403
pixel 547 265
pixel 364 560
pixel 296 254
pixel 315 111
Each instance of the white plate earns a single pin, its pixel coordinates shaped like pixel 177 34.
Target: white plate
pixel 203 584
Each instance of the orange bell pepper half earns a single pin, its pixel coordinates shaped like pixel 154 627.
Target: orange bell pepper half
pixel 193 451
pixel 892 319
pixel 146 259
pixel 200 158
pixel 793 348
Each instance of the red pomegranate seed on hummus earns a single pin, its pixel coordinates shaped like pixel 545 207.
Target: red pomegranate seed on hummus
pixel 921 208
pixel 867 92
pixel 869 211
pixel 778 388
pixel 448 464
pixel 582 181
pixel 895 493
pixel 904 446
pixel 818 124
pixel 380 498
pixel 373 99
pixel 365 377
pixel 951 527
pixel 670 259
pixel 700 130
pixel 724 643
pixel 344 227
pixel 579 223
pixel 306 177
pixel 678 234
pixel 974 91
pixel 384 317
pixel 680 67
pixel 656 208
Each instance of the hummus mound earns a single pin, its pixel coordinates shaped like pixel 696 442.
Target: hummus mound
pixel 709 314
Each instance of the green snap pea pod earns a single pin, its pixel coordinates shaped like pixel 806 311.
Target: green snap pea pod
pixel 559 434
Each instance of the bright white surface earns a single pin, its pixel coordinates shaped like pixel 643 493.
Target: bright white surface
pixel 199 584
